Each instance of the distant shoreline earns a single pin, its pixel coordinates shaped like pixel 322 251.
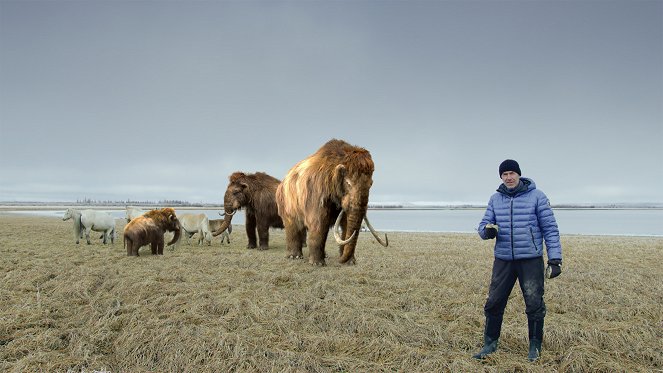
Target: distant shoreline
pixel 10 206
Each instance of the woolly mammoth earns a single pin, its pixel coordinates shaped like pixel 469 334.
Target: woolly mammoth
pixel 149 229
pixel 255 193
pixel 329 188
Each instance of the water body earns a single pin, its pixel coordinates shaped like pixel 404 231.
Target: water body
pixel 628 222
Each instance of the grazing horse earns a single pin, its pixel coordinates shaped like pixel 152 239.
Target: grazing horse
pixel 133 213
pixel 87 220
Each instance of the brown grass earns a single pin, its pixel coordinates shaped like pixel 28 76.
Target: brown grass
pixel 416 306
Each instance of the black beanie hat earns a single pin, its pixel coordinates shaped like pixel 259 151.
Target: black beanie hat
pixel 509 165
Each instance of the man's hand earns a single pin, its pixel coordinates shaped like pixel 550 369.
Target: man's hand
pixel 491 231
pixel 554 268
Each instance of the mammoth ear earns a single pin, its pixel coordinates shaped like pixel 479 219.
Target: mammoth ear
pixel 244 185
pixel 339 175
pixel 171 217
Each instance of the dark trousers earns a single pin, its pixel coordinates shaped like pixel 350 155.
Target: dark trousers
pixel 530 275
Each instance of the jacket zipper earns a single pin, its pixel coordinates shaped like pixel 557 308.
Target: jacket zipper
pixel 513 254
pixel 531 232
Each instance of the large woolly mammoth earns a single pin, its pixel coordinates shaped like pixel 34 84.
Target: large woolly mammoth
pixel 149 229
pixel 329 188
pixel 255 193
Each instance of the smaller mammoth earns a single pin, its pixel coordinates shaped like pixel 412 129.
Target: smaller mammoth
pixel 255 193
pixel 149 228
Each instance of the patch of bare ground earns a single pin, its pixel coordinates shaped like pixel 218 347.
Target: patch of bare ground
pixel 416 306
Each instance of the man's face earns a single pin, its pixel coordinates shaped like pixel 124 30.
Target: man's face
pixel 510 179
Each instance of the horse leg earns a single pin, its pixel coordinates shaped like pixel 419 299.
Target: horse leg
pixel 87 235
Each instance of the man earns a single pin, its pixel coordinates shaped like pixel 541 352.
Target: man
pixel 520 217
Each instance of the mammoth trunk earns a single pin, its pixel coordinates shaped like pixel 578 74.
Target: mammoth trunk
pixel 353 226
pixel 227 219
pixel 176 237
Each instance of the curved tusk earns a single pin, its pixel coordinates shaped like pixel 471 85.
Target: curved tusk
pixel 384 243
pixel 231 214
pixel 337 236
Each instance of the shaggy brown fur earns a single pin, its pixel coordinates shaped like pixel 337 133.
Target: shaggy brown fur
pixel 256 193
pixel 336 177
pixel 149 229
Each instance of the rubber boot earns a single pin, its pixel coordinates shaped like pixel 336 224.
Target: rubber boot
pixel 489 346
pixel 491 335
pixel 535 339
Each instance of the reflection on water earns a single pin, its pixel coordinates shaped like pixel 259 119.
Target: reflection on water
pixel 645 222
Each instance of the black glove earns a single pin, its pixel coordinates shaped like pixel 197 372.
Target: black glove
pixel 491 233
pixel 554 268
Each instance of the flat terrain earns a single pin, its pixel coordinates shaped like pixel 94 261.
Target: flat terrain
pixel 416 306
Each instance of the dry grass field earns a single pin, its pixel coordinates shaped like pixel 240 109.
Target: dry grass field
pixel 416 306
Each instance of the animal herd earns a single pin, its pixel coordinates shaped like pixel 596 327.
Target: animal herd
pixel 326 190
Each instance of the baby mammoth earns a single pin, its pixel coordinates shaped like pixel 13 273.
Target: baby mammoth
pixel 149 229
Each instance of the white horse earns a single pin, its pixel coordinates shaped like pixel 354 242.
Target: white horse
pixel 133 212
pixel 88 220
pixel 195 223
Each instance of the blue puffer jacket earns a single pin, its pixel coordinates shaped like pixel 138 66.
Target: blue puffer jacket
pixel 524 220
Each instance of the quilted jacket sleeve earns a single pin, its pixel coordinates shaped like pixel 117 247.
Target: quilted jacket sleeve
pixel 488 218
pixel 548 226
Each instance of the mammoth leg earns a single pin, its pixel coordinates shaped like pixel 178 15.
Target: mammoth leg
pixel 132 248
pixel 293 239
pixel 251 231
pixel 159 246
pixel 263 235
pixel 317 237
pixel 316 246
pixel 154 247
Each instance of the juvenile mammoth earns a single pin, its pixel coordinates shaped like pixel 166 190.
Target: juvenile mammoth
pixel 256 194
pixel 149 229
pixel 329 188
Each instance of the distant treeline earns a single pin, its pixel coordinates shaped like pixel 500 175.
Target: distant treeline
pixel 92 202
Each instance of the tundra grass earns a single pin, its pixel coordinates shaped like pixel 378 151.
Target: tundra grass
pixel 415 306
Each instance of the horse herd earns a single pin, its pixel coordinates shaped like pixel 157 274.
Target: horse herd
pixel 325 191
pixel 86 221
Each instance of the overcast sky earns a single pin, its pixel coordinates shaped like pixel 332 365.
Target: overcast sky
pixel 152 100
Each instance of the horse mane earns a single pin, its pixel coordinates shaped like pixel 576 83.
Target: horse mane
pixel 76 217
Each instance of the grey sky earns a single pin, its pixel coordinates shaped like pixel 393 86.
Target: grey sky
pixel 164 99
